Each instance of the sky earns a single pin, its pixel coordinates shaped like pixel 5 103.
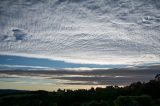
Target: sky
pixel 78 35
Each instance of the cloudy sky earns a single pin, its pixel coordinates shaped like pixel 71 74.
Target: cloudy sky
pixel 79 34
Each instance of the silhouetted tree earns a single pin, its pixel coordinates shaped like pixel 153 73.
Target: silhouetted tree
pixel 157 77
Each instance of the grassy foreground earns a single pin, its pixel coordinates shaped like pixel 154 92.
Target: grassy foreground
pixel 136 94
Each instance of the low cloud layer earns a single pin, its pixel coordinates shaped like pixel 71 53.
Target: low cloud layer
pixel 121 77
pixel 82 31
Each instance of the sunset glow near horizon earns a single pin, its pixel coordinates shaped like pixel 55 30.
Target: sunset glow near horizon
pixel 77 35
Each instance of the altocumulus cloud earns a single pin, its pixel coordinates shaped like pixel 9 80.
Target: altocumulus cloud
pixel 82 31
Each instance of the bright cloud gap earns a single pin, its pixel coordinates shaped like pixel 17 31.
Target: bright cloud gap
pixel 13 62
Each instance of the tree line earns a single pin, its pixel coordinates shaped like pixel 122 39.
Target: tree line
pixel 136 94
